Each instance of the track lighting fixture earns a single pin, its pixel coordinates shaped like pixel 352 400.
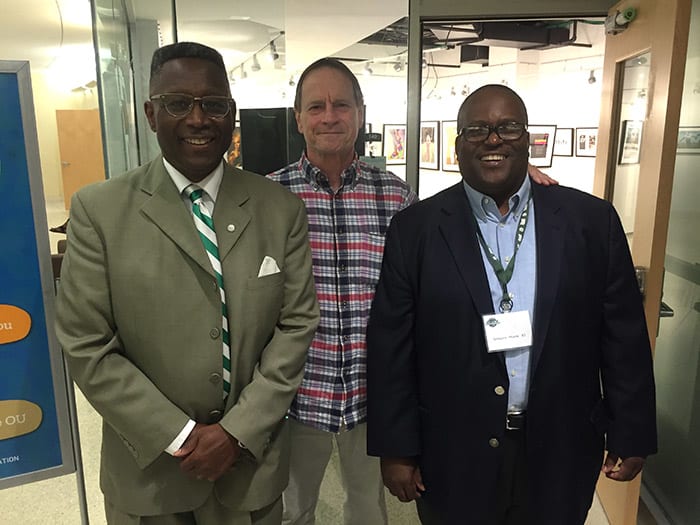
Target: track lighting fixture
pixel 368 69
pixel 591 77
pixel 256 64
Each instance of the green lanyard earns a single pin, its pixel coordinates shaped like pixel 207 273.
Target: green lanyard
pixel 504 275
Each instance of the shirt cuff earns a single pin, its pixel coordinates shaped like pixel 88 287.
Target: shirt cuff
pixel 180 439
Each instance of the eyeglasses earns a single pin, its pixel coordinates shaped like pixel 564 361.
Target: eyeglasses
pixel 179 105
pixel 505 131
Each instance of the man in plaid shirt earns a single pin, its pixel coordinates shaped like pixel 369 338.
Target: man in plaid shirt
pixel 349 206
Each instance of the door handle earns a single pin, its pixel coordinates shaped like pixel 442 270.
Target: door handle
pixel 665 310
pixel 65 164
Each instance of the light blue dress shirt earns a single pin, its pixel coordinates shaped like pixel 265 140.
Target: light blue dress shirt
pixel 499 233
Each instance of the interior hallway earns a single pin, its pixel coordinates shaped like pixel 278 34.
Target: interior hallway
pixel 56 500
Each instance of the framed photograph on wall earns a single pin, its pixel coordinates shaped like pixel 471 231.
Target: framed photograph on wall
pixel 448 134
pixel 688 139
pixel 586 142
pixel 429 146
pixel 630 141
pixel 541 144
pixel 564 142
pixel 394 143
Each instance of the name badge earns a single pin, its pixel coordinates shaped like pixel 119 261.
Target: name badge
pixel 507 331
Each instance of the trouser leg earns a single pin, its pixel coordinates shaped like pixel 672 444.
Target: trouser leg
pixel 361 479
pixel 310 452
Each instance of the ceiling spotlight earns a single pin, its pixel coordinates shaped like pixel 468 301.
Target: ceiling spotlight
pixel 465 90
pixel 398 66
pixel 274 55
pixel 453 92
pixel 256 64
pixel 292 82
pixel 244 73
pixel 591 77
pixel 368 69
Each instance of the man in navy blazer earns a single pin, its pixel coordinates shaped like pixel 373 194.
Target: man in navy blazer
pixel 496 382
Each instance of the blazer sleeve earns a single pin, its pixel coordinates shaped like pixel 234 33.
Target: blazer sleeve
pixel 123 395
pixel 264 402
pixel 626 369
pixel 392 407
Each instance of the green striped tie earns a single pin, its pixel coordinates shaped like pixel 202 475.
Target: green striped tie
pixel 205 226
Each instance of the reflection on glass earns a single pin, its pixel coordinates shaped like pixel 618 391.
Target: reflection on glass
pixel 633 109
pixel 116 82
pixel 673 475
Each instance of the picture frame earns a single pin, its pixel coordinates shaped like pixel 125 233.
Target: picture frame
pixel 630 142
pixel 429 146
pixel 586 142
pixel 448 156
pixel 688 139
pixel 394 143
pixel 564 142
pixel 541 144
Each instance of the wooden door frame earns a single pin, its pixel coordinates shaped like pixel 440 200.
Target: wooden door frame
pixel 662 28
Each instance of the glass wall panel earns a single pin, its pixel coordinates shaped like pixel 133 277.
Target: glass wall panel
pixel 115 85
pixel 673 475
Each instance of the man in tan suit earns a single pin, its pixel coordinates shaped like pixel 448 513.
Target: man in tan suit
pixel 140 314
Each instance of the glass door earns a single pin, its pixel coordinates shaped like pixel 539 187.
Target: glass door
pixel 640 107
pixel 672 477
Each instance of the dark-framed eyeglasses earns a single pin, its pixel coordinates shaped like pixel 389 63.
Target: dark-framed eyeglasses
pixel 505 131
pixel 179 105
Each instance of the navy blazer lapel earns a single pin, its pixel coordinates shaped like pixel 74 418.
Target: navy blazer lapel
pixel 550 228
pixel 167 210
pixel 459 231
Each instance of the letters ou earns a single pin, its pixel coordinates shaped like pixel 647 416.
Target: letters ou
pixel 19 419
pixel 5 326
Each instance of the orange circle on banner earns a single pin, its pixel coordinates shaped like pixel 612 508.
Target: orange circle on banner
pixel 15 324
pixel 18 417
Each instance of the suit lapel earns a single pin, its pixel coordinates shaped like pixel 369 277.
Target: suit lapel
pixel 230 219
pixel 550 229
pixel 167 210
pixel 459 231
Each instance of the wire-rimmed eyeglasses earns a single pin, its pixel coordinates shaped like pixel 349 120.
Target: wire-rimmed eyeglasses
pixel 179 105
pixel 505 131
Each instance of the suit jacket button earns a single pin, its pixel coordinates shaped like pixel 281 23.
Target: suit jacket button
pixel 214 333
pixel 499 390
pixel 493 443
pixel 214 416
pixel 214 378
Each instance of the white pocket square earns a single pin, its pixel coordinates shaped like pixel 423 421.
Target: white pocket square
pixel 268 267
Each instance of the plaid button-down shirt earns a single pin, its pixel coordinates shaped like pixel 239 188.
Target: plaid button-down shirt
pixel 346 232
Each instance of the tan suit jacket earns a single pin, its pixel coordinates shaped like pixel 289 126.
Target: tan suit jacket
pixel 139 318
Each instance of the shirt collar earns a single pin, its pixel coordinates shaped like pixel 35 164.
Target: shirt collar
pixel 210 184
pixel 317 178
pixel 484 207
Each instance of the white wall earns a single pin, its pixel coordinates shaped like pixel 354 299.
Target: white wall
pixel 554 85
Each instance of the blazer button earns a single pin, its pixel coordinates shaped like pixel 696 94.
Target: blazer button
pixel 214 416
pixel 499 390
pixel 214 378
pixel 214 333
pixel 493 443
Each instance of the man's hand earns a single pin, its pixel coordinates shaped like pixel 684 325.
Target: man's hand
pixel 539 176
pixel 208 452
pixel 402 477
pixel 622 470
